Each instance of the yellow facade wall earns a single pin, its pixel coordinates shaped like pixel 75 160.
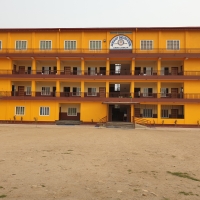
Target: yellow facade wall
pixel 93 111
pixel 31 110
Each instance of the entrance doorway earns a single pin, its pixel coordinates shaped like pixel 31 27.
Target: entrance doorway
pixel 120 113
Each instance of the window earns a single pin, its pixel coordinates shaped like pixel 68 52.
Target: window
pixel 45 91
pixel 44 111
pixel 45 45
pixel 164 114
pixel 19 110
pixel 70 45
pixel 173 44
pixel 95 45
pixel 146 44
pixel 164 92
pixel 76 91
pixel 147 113
pixel 21 45
pixel 28 90
pixel 117 87
pixel 148 92
pixel 0 44
pixel 72 112
pixel 117 68
pixel 92 92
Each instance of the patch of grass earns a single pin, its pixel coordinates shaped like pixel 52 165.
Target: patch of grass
pixel 187 193
pixel 144 172
pixel 183 175
pixel 3 196
pixel 164 198
pixel 135 190
pixel 70 150
pixel 66 153
pixel 43 185
pixel 1 187
pixel 129 170
pixel 14 188
pixel 173 156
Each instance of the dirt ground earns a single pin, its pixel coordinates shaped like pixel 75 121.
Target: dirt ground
pixel 89 163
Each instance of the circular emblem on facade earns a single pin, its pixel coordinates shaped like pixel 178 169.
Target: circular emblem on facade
pixel 120 42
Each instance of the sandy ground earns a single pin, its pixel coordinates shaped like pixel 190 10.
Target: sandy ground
pixel 86 163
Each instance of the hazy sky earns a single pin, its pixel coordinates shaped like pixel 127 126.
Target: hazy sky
pixel 98 13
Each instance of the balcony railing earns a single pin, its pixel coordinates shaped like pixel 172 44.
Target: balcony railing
pixel 98 73
pixel 87 50
pixel 116 95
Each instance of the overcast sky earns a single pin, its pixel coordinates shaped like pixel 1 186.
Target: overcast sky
pixel 98 13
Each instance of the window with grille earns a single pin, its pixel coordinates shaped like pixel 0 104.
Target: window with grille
pixel 147 113
pixel 0 44
pixel 146 44
pixel 173 44
pixel 19 110
pixel 45 45
pixel 21 45
pixel 72 112
pixel 45 91
pixel 148 92
pixel 44 111
pixel 92 92
pixel 95 45
pixel 76 91
pixel 70 45
pixel 28 90
pixel 164 114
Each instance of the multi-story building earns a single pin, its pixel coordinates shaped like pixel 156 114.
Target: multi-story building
pixel 90 73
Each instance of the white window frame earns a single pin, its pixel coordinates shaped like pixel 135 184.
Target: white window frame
pixel 173 45
pixel 45 111
pixel 146 114
pixel 46 91
pixel 19 109
pixel 117 87
pixel 28 90
pixel 146 45
pixel 70 41
pixel 0 45
pixel 70 112
pixel 21 44
pixel 93 91
pixel 78 93
pixel 95 48
pixel 45 44
pixel 163 114
pixel 163 92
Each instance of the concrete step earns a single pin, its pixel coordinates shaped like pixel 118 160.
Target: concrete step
pixel 67 122
pixel 127 125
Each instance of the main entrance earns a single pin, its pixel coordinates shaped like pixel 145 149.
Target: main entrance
pixel 120 113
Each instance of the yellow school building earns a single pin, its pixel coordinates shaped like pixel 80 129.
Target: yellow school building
pixel 90 74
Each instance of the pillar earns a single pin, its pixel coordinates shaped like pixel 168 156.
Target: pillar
pixel 82 88
pixel 33 66
pixel 133 66
pixel 58 66
pixel 33 88
pixel 158 89
pixel 57 88
pixel 82 66
pixel 107 66
pixel 132 89
pixel 159 112
pixel 159 66
pixel 132 112
pixel 107 89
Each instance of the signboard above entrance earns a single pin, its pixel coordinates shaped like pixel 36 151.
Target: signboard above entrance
pixel 121 42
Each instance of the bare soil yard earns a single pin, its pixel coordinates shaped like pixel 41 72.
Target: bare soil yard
pixel 87 163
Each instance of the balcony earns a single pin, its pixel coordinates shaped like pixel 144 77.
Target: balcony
pixel 56 74
pixel 102 53
pixel 99 96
